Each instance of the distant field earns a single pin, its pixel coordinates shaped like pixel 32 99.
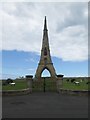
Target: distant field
pixel 22 84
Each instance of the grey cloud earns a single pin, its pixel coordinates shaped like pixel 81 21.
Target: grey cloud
pixel 76 16
pixel 23 28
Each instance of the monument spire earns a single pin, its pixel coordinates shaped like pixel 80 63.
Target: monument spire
pixel 45 59
pixel 45 24
pixel 45 35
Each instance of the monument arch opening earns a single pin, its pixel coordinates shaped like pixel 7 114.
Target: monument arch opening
pixel 45 73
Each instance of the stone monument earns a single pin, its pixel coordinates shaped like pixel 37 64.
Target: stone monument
pixel 45 59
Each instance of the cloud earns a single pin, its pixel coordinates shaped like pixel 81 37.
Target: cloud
pixel 30 60
pixel 5 76
pixel 31 69
pixel 22 28
pixel 73 39
pixel 44 1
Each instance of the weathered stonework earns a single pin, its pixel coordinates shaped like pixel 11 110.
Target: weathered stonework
pixel 29 81
pixel 59 82
pixel 45 60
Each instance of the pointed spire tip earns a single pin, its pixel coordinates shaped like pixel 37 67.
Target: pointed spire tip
pixel 45 24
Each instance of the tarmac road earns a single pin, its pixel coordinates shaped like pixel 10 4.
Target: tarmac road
pixel 45 105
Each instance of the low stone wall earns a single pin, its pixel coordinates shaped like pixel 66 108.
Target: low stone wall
pixel 74 92
pixel 16 92
pixel 28 91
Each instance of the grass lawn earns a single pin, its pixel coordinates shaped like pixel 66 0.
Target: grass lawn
pixel 0 85
pixel 22 84
pixel 19 84
pixel 72 86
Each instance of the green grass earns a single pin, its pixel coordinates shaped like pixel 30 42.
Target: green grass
pixel 72 86
pixel 0 85
pixel 19 84
pixel 22 84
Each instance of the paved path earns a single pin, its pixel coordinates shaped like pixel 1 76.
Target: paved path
pixel 45 105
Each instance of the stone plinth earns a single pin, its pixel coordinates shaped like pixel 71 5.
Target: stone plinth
pixel 59 82
pixel 29 79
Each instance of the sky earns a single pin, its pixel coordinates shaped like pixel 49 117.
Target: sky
pixel 21 37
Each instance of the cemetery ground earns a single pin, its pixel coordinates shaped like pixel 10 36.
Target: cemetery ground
pixel 66 84
pixel 19 84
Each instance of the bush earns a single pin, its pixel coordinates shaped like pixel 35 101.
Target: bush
pixel 67 80
pixel 72 80
pixel 9 81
